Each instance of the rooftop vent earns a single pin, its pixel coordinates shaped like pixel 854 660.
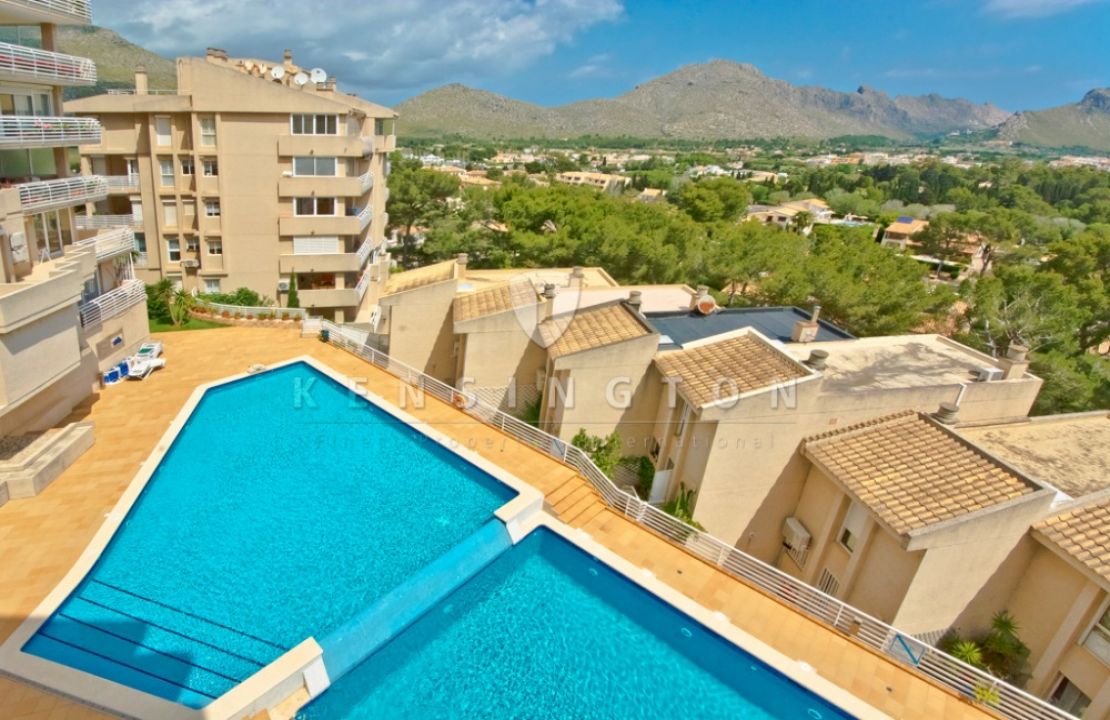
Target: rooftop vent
pixel 635 300
pixel 706 305
pixel 817 359
pixel 947 413
pixel 549 291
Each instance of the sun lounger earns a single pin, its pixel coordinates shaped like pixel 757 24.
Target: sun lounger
pixel 149 350
pixel 139 368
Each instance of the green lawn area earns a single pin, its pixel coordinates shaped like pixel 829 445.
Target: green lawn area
pixel 190 324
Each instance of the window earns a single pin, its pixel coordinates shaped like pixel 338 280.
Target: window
pixel 212 207
pixel 211 168
pixel 207 131
pixel 317 245
pixel 169 212
pixel 192 244
pixel 321 166
pixel 828 583
pixel 137 209
pixel 1069 698
pixel 314 124
pixel 175 280
pixel 215 247
pixel 379 127
pixel 140 242
pixel 187 166
pixel 173 249
pixel 854 521
pixel 683 417
pixel 211 285
pixel 162 131
pixel 166 167
pixel 314 206
pixel 1098 640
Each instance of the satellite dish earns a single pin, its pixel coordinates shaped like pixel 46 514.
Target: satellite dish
pixel 277 72
pixel 318 75
pixel 300 78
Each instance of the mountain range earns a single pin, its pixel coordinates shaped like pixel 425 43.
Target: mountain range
pixel 1082 124
pixel 115 58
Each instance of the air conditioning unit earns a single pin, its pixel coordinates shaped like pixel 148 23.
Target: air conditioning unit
pixel 190 263
pixel 794 534
pixel 283 286
pixel 987 374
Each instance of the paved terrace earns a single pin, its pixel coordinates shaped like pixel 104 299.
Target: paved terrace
pixel 44 536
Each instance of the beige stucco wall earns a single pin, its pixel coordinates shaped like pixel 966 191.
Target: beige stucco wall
pixel 886 574
pixel 37 354
pixel 131 326
pixel 494 350
pixel 421 329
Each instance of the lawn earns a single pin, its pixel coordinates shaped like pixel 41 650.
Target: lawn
pixel 190 324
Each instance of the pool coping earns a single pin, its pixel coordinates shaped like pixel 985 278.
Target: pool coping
pixel 300 666
pixel 795 670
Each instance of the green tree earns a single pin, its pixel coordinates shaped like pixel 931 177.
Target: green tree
pixel 604 451
pixel 158 298
pixel 180 305
pixel 292 299
pixel 801 222
pixel 1084 260
pixel 713 199
pixel 416 197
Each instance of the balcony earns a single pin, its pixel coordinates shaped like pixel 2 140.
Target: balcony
pixel 367 180
pixel 324 145
pixel 319 225
pixel 113 303
pixel 34 131
pixel 385 143
pixel 364 216
pixel 50 286
pixel 24 64
pixel 303 186
pixel 329 297
pixel 96 222
pixel 122 183
pixel 110 244
pixel 61 12
pixel 62 193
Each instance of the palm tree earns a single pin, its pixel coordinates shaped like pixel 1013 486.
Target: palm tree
pixel 180 306
pixel 800 222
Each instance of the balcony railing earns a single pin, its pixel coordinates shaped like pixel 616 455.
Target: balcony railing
pixel 140 259
pixel 363 284
pixel 132 91
pixel 77 10
pixel 957 676
pixel 18 131
pixel 112 303
pixel 109 244
pixel 35 65
pixel 364 251
pixel 364 217
pixel 61 193
pixel 122 182
pixel 367 180
pixel 96 222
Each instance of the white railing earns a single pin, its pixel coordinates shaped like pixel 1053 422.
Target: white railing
pixel 364 216
pixel 112 303
pixel 364 251
pixel 367 144
pixel 140 259
pixel 55 68
pixel 76 8
pixel 41 131
pixel 367 180
pixel 961 678
pixel 114 242
pixel 63 192
pixel 363 284
pixel 95 222
pixel 132 91
pixel 122 182
pixel 242 311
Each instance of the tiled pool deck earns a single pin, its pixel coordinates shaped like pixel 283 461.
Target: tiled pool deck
pixel 42 537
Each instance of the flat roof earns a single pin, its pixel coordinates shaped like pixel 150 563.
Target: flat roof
pixel 477 279
pixel 654 298
pixel 1070 452
pixel 895 361
pixel 687 326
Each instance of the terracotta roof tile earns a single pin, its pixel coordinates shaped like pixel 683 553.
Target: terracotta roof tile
pixel 427 275
pixel 728 368
pixel 496 299
pixel 913 473
pixel 591 328
pixel 1083 533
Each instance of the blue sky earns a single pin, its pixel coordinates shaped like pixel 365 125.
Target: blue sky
pixel 1019 54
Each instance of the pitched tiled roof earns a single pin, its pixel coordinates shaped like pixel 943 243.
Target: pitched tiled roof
pixel 427 275
pixel 728 368
pixel 913 473
pixel 591 328
pixel 1084 534
pixel 498 298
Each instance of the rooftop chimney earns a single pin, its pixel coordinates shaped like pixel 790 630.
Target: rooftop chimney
pixel 1015 363
pixel 577 277
pixel 142 85
pixel 947 413
pixel 547 304
pixel 817 359
pixel 635 300
pixel 701 290
pixel 816 313
pixel 287 58
pixel 805 330
pixel 460 261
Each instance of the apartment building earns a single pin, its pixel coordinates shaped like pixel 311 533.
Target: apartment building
pixel 69 304
pixel 252 174
pixel 605 182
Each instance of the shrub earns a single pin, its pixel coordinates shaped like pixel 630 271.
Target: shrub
pixel 286 316
pixel 605 452
pixel 292 300
pixel 682 506
pixel 225 314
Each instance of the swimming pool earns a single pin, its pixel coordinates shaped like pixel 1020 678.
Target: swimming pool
pixel 548 631
pixel 285 505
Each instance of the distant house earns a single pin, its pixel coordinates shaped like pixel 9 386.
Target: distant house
pixel 650 195
pixel 899 232
pixel 602 181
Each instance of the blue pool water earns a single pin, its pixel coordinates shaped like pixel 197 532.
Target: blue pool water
pixel 285 506
pixel 546 631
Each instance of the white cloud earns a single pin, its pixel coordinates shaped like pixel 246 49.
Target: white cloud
pixel 1033 8
pixel 596 66
pixel 371 47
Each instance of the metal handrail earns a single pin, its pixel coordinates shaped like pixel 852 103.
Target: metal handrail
pixel 244 310
pixel 364 216
pixel 58 68
pixel 64 192
pixel 123 182
pixel 114 242
pixel 364 250
pixel 95 222
pixel 367 180
pixel 43 131
pixel 954 674
pixel 112 303
pixel 76 8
